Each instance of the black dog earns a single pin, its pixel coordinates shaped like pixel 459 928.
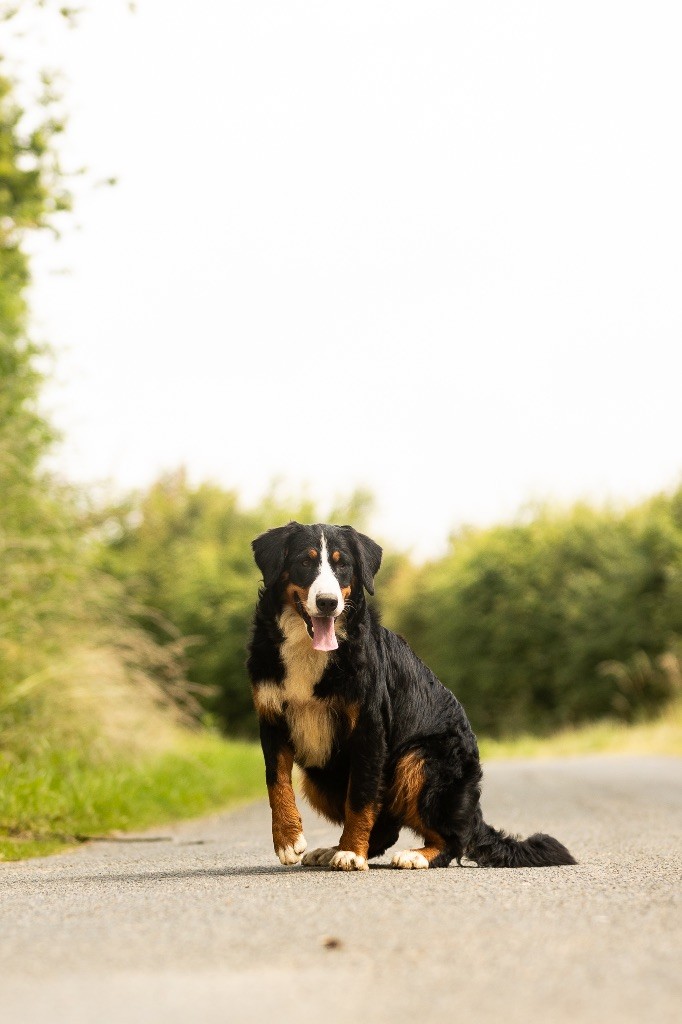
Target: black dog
pixel 380 741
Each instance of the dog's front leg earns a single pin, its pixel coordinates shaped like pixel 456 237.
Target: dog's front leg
pixel 367 755
pixel 287 827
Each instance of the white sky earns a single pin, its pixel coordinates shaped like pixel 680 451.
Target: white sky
pixel 430 248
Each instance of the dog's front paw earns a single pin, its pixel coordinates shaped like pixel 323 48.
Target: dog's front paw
pixel 346 860
pixel 291 854
pixel 320 858
pixel 409 859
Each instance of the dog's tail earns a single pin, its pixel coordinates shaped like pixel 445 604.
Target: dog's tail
pixel 491 848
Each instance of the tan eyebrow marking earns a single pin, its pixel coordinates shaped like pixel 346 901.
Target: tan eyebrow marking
pixel 312 552
pixel 336 555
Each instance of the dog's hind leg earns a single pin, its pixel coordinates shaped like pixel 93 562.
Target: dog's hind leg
pixel 435 792
pixel 407 805
pixel 434 854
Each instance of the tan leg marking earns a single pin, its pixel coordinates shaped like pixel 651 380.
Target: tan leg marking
pixel 287 827
pixel 404 802
pixel 351 853
pixel 403 798
pixel 356 829
pixel 354 841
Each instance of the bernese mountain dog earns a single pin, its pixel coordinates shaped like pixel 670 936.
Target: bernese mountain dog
pixel 380 742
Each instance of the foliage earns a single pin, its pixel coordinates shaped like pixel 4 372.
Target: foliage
pixel 525 622
pixel 35 539
pixel 62 796
pixel 536 625
pixel 184 556
pixel 660 736
pixel 50 601
pixel 568 617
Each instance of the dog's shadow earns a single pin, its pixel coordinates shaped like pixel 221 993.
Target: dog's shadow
pixel 246 871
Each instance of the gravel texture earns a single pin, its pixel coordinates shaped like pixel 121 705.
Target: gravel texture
pixel 199 922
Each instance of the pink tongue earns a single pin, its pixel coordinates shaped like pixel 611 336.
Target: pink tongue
pixel 324 637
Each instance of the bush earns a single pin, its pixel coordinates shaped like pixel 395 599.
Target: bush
pixel 184 556
pixel 522 621
pixel 52 605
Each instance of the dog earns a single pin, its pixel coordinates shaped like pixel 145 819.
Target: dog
pixel 380 742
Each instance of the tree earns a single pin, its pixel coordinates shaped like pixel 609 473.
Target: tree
pixel 184 556
pixel 51 603
pixel 31 521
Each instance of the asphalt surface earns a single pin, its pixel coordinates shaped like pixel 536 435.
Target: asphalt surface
pixel 201 923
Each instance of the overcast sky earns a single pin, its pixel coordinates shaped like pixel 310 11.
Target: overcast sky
pixel 430 248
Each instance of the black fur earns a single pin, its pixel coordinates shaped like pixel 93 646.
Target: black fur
pixel 400 708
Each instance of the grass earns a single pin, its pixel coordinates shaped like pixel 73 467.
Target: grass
pixel 660 736
pixel 57 799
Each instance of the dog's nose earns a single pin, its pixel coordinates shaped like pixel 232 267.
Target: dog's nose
pixel 326 603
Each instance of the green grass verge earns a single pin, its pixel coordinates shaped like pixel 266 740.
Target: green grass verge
pixel 660 736
pixel 60 798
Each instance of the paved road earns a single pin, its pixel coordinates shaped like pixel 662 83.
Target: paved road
pixel 204 925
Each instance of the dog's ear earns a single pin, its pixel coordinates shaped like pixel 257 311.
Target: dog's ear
pixel 367 556
pixel 270 550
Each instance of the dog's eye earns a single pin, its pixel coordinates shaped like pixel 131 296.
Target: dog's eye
pixel 306 562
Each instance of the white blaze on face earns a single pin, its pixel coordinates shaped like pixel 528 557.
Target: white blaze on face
pixel 325 583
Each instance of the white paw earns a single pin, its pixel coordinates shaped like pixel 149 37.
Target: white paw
pixel 292 854
pixel 319 858
pixel 346 860
pixel 409 859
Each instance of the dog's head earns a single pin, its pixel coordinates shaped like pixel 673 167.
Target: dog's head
pixel 318 571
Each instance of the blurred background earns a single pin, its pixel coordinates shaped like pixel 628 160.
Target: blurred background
pixel 413 267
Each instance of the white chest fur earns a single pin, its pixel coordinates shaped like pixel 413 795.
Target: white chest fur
pixel 312 722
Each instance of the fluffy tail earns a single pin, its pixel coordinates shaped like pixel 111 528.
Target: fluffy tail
pixel 491 848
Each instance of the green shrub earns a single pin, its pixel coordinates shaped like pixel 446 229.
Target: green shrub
pixel 522 621
pixel 183 554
